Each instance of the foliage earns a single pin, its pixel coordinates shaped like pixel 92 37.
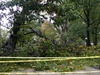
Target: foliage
pixel 3 36
pixel 77 28
pixel 48 30
pixel 73 21
pixel 59 66
pixel 88 12
pixel 48 49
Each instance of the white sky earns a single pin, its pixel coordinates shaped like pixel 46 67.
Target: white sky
pixel 5 0
pixel 7 11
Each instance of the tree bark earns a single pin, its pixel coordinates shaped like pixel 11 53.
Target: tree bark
pixel 10 44
pixel 87 21
pixel 88 37
pixel 88 43
pixel 95 36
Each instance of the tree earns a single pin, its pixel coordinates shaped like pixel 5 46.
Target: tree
pixel 30 11
pixel 88 9
pixel 64 13
pixel 95 24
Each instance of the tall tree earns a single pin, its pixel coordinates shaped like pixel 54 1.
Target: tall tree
pixel 87 9
pixel 95 23
pixel 29 12
pixel 64 13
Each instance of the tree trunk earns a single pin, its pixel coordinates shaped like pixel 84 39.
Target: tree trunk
pixel 88 43
pixel 10 44
pixel 87 21
pixel 95 36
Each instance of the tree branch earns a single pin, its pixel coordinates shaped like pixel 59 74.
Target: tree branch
pixel 37 33
pixel 95 21
pixel 82 18
pixel 57 29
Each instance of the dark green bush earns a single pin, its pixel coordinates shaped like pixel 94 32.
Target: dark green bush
pixel 48 49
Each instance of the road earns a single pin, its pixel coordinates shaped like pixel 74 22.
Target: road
pixel 28 71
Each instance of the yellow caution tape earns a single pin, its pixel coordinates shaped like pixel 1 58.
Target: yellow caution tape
pixel 30 73
pixel 46 57
pixel 53 59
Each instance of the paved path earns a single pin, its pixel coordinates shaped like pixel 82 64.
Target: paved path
pixel 52 73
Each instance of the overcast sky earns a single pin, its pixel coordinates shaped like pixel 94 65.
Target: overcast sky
pixel 6 12
pixel 5 0
pixel 5 21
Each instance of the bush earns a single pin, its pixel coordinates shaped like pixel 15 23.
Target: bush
pixel 48 49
